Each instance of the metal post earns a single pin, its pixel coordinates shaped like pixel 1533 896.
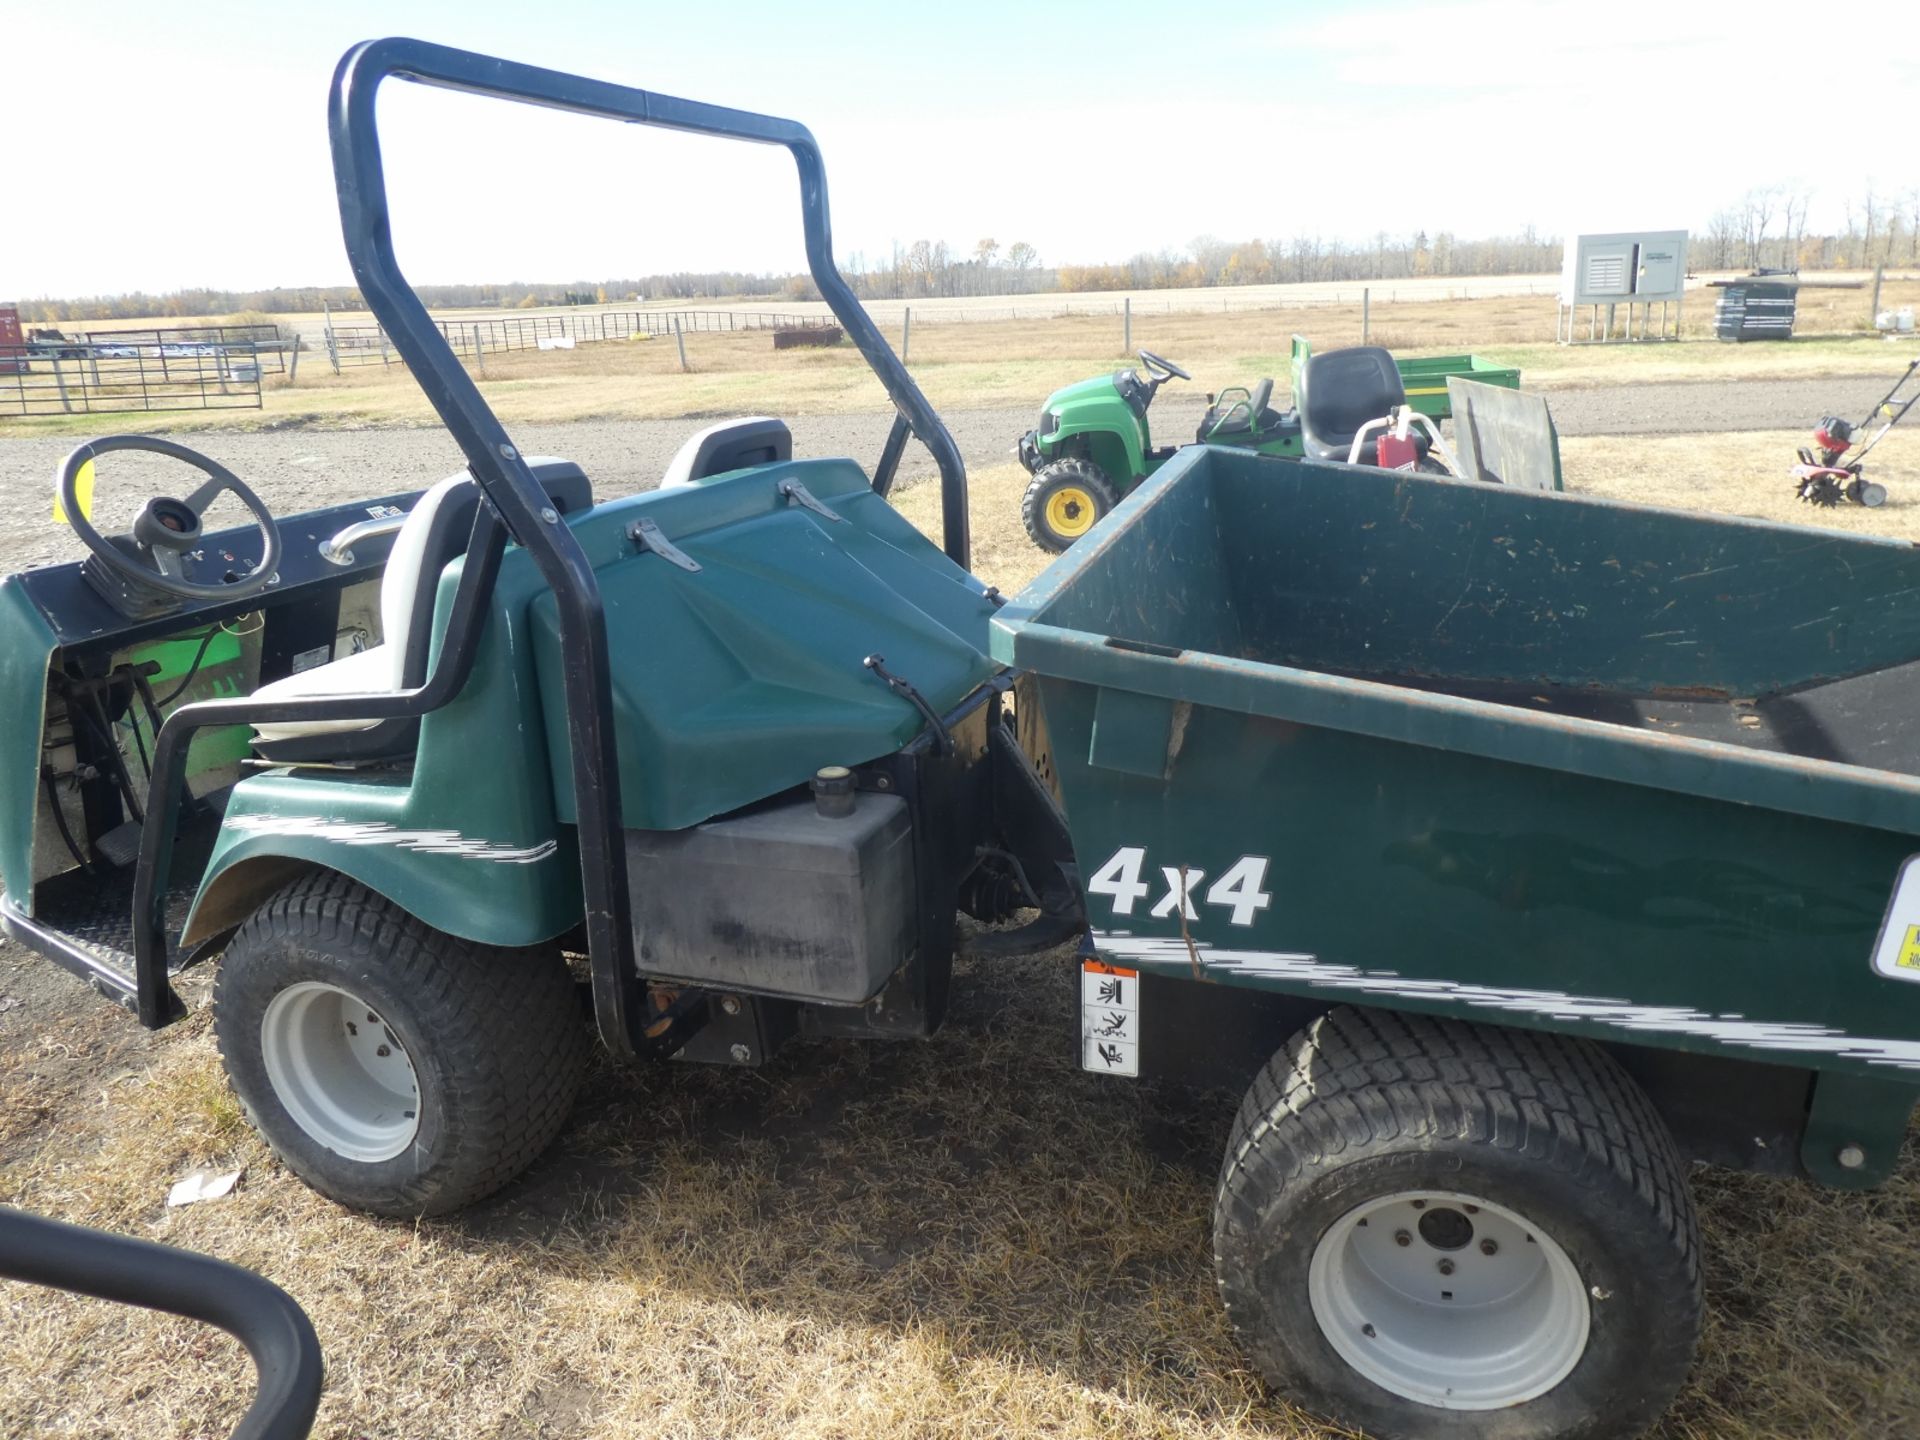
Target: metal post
pixel 680 339
pixel 381 331
pixel 333 346
pixel 1366 317
pixel 1873 314
pixel 1126 327
pixel 479 351
pixel 906 334
pixel 61 381
pixel 293 365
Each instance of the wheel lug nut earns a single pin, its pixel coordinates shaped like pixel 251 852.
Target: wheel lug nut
pixel 383 1052
pixel 1401 1237
pixel 1489 1247
pixel 1419 1204
pixel 1446 1267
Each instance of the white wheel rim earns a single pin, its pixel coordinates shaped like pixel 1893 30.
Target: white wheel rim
pixel 340 1071
pixel 1449 1300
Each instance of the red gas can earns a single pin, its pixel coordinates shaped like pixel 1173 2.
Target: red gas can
pixel 1398 452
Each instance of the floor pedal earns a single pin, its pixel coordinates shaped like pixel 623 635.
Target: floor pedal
pixel 120 846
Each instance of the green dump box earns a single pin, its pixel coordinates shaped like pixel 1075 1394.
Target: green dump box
pixel 1425 378
pixel 1527 758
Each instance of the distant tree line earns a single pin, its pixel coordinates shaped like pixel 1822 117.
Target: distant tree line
pixel 1765 228
pixel 1209 260
pixel 1768 228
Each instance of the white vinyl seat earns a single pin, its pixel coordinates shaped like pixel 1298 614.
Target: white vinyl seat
pixel 369 672
pixel 434 533
pixel 378 670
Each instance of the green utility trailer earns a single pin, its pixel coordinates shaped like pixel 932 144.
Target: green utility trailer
pixel 1425 377
pixel 1415 761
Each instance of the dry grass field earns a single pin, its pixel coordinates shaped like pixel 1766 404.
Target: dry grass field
pixel 986 364
pixel 967 1238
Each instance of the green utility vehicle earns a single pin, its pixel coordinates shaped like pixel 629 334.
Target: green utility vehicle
pixel 1508 849
pixel 1094 443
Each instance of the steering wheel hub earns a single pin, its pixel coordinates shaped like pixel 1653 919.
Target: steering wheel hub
pixel 166 522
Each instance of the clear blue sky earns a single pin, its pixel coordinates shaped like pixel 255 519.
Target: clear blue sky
pixel 178 145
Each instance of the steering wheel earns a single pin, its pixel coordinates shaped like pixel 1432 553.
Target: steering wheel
pixel 166 529
pixel 1162 369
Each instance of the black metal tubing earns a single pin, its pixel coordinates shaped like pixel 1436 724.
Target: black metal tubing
pixel 502 472
pixel 363 213
pixel 255 1311
pixel 155 1002
pixel 890 454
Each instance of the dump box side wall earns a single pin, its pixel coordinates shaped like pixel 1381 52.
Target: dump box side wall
pixel 1392 847
pixel 1367 572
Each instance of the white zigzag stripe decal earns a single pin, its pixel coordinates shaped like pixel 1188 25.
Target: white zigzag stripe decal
pixel 1665 1019
pixel 431 842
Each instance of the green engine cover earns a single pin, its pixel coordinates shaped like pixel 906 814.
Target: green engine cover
pixel 739 680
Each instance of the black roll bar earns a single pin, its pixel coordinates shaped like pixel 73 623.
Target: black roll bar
pixel 516 498
pixel 363 215
pixel 255 1311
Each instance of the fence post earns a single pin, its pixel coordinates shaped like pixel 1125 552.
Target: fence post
pixel 333 347
pixel 906 334
pixel 293 365
pixel 1873 314
pixel 680 339
pixel 479 351
pixel 1366 316
pixel 1126 309
pixel 381 331
pixel 61 381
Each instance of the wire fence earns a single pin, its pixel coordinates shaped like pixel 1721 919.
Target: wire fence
pixel 474 339
pixel 73 377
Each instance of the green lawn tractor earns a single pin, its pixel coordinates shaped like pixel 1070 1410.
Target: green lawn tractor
pixel 1507 850
pixel 1094 443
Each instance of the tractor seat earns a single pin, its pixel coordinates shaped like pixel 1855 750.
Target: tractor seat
pixel 1342 390
pixel 1243 423
pixel 434 535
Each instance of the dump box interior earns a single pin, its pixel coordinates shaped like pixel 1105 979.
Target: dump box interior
pixel 1764 637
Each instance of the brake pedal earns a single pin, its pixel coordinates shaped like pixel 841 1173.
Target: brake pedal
pixel 120 846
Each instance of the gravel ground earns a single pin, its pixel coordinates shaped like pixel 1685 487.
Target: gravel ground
pixel 300 469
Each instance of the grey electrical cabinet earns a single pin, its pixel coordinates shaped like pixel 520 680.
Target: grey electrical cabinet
pixel 1635 268
pixel 1643 265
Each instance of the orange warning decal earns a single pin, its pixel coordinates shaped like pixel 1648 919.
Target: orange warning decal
pixel 1100 967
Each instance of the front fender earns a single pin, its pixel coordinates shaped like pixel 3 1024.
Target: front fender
pixel 1109 435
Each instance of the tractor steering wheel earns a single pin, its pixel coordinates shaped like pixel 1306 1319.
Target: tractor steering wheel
pixel 166 529
pixel 1162 370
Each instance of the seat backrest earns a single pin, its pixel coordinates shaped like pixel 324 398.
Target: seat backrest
pixel 1342 390
pixel 730 445
pixel 435 533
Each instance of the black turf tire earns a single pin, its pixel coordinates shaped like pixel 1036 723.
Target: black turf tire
pixel 495 1036
pixel 1049 478
pixel 1368 1103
